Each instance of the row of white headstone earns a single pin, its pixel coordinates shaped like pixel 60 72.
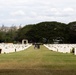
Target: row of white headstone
pixel 64 48
pixel 8 48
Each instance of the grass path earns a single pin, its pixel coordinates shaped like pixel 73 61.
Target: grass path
pixel 37 62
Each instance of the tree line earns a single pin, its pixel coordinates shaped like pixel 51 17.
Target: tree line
pixel 43 32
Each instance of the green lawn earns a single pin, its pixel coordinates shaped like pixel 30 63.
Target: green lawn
pixel 37 62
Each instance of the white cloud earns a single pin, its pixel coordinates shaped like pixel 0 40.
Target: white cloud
pixel 18 13
pixel 31 11
pixel 68 10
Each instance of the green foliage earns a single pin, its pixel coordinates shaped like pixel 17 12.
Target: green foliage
pixel 8 36
pixel 47 30
pixel 21 33
pixel 65 33
pixel 72 32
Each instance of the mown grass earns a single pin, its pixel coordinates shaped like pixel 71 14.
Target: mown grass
pixel 37 62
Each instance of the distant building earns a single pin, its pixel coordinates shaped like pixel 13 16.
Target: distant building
pixel 6 29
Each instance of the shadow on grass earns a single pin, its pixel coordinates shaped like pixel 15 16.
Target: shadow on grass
pixel 36 72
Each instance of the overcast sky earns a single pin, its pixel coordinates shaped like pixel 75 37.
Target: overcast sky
pixel 16 12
